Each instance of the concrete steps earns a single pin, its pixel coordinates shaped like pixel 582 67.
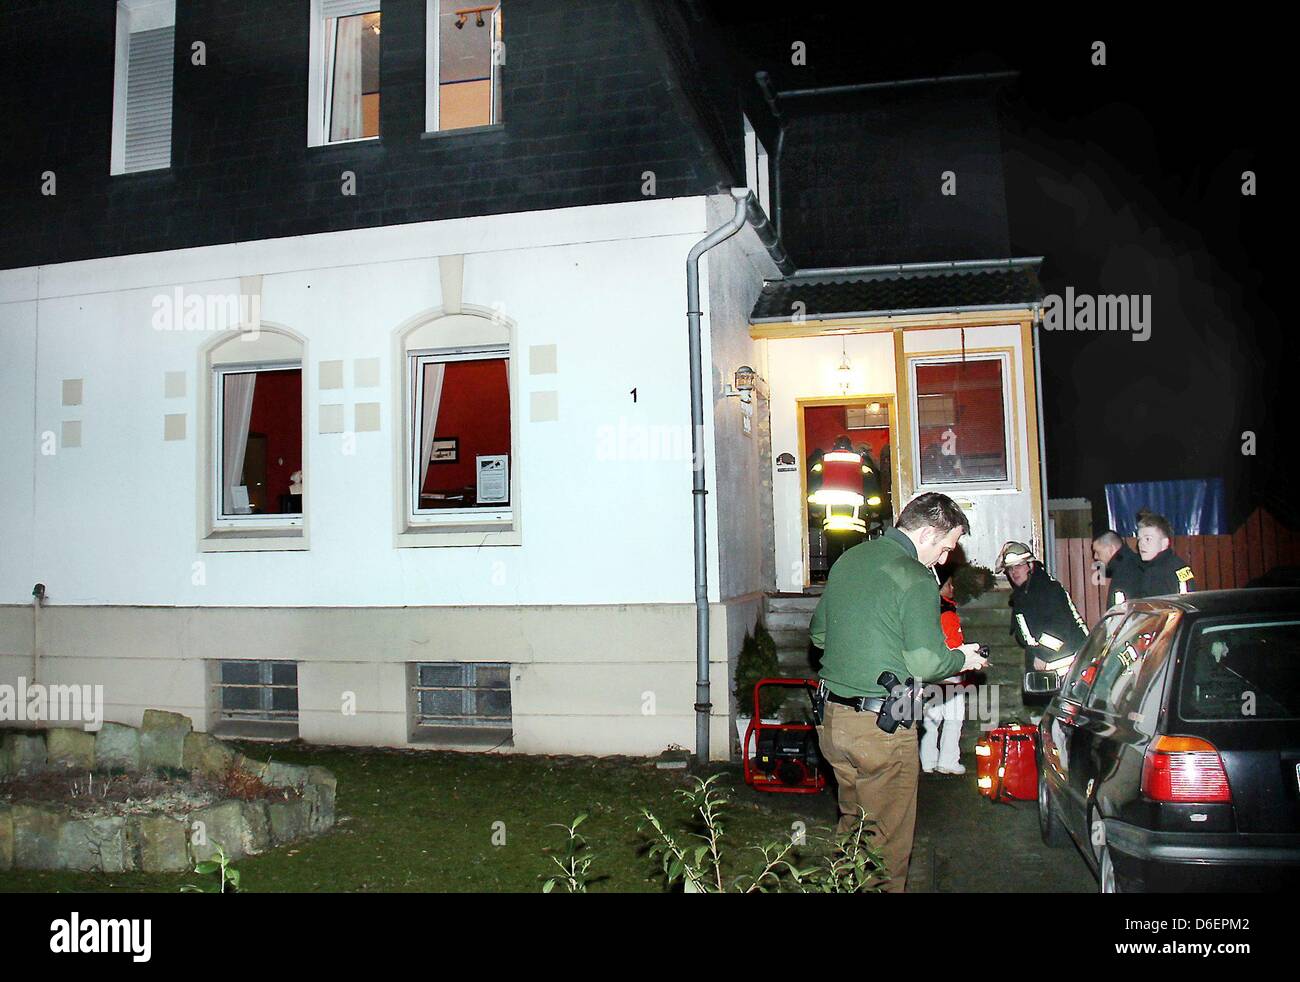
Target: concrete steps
pixel 987 620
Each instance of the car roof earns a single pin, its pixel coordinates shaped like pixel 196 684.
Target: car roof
pixel 1267 600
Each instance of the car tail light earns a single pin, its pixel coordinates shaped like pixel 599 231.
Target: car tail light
pixel 1184 769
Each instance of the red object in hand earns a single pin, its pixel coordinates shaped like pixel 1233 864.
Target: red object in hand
pixel 1005 764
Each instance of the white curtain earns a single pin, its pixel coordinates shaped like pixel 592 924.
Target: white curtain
pixel 236 412
pixel 345 106
pixel 433 376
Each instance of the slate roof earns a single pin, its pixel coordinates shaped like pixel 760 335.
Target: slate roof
pixel 879 291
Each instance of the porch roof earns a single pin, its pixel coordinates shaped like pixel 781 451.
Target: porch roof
pixel 884 291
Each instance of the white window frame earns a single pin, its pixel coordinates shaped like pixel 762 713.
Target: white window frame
pixel 1008 423
pixel 432 67
pixel 320 82
pixel 757 167
pixel 133 16
pixel 216 462
pixel 434 517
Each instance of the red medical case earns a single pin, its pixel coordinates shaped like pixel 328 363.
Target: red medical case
pixel 1005 763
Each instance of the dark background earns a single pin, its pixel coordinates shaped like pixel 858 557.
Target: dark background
pixel 1126 179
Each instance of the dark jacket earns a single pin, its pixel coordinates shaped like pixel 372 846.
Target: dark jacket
pixel 1124 575
pixel 1044 620
pixel 1164 574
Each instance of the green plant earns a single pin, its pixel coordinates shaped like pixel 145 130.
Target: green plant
pixel 840 863
pixel 757 660
pixel 575 861
pixel 971 581
pixel 227 881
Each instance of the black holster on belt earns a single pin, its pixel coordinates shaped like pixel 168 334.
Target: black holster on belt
pixel 819 702
pixel 900 703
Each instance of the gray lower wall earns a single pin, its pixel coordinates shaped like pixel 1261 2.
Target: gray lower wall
pixel 616 679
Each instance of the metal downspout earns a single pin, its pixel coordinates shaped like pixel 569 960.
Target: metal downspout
pixel 717 236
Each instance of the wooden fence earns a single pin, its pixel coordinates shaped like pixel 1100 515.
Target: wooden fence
pixel 1220 562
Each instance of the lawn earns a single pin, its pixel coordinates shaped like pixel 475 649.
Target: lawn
pixel 423 820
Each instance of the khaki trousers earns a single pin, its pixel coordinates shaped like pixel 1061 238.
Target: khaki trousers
pixel 877 771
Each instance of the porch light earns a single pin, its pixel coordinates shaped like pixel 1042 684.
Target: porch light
pixel 747 381
pixel 845 375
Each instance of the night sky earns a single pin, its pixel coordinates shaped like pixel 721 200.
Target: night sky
pixel 1127 179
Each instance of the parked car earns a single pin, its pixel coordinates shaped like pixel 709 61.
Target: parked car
pixel 1171 752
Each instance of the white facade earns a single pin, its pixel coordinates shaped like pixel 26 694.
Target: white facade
pixel 136 601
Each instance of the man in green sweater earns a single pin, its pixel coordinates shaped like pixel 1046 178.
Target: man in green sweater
pixel 880 613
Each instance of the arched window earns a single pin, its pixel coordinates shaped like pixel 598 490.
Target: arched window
pixel 460 438
pixel 253 454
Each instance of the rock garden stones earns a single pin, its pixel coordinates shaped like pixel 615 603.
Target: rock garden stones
pixel 180 820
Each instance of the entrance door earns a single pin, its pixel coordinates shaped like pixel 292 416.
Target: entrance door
pixel 866 425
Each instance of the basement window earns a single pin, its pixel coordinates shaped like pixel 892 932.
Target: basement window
pixel 144 62
pixel 466 52
pixel 344 84
pixel 461 702
pixel 256 699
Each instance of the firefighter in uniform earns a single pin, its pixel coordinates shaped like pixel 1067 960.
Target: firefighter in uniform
pixel 1120 564
pixel 880 613
pixel 1044 620
pixel 1160 571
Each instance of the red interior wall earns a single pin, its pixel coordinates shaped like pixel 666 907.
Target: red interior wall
pixel 277 413
pixel 823 425
pixel 475 409
pixel 980 425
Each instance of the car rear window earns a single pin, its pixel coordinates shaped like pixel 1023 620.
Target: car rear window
pixel 1243 669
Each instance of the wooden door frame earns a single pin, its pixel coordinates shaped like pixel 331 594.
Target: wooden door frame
pixel 852 399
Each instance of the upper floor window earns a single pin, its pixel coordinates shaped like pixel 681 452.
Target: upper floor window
pixel 757 171
pixel 142 86
pixel 344 65
pixel 962 432
pixel 465 53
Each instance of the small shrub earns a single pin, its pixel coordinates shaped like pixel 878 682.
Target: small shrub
pixel 971 581
pixel 227 879
pixel 574 862
pixel 757 661
pixel 839 863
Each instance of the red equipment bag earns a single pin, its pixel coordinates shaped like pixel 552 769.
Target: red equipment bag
pixel 1006 765
pixel 785 756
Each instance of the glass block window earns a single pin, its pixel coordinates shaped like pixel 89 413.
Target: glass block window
pixel 462 694
pixel 265 691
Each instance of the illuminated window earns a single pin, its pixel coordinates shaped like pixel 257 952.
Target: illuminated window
pixel 345 42
pixel 962 420
pixel 466 52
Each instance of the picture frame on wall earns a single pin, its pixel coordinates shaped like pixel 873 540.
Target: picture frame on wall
pixel 446 450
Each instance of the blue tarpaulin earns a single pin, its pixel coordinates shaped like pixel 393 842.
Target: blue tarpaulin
pixel 1192 507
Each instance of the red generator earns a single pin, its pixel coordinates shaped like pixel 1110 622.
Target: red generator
pixel 786 757
pixel 1006 765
